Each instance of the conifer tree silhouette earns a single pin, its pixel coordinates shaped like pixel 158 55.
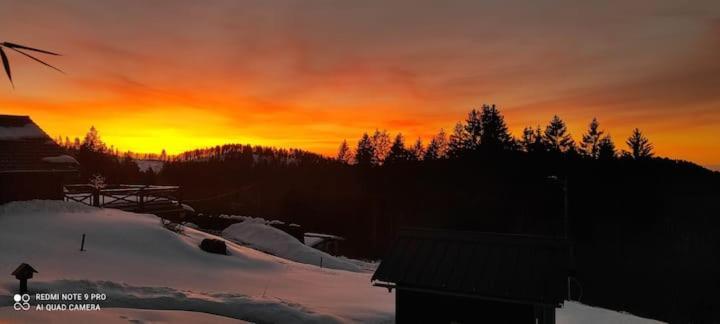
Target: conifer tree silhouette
pixel 495 134
pixel 457 143
pixel 417 151
pixel 590 145
pixel 437 148
pixel 381 146
pixel 344 154
pixel 556 136
pixel 640 146
pixel 398 153
pixel 365 152
pixel 606 148
pixel 473 131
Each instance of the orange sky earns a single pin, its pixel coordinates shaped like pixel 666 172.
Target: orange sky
pixel 185 74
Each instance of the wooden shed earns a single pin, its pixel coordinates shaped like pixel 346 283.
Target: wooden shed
pixel 443 276
pixel 32 165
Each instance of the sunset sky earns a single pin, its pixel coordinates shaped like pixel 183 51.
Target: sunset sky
pixel 185 74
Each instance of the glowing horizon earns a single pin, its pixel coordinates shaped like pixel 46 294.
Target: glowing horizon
pixel 183 75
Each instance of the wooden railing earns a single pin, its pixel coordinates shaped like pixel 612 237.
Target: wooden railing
pixel 141 198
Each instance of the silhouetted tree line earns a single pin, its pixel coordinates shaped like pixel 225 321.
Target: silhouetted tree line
pixel 96 158
pixel 484 132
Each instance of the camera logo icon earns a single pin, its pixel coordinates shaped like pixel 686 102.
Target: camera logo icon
pixel 22 302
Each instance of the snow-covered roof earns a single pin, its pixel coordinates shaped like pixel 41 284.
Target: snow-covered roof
pixel 19 127
pixel 24 147
pixel 64 158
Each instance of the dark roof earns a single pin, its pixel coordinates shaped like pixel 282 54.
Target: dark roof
pixel 520 268
pixel 24 147
pixel 23 268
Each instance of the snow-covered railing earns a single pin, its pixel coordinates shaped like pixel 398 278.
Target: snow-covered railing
pixel 142 198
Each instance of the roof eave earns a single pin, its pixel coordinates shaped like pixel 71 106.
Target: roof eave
pixel 391 286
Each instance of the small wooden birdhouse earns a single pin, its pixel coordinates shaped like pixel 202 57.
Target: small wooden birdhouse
pixel 23 273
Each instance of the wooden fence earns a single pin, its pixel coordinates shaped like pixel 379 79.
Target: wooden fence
pixel 136 198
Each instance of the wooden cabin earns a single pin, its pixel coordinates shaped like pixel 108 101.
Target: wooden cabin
pixel 445 276
pixel 32 165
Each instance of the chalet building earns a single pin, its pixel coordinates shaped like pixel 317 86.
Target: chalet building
pixel 469 277
pixel 32 165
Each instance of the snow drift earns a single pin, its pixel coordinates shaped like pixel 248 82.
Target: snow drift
pixel 255 233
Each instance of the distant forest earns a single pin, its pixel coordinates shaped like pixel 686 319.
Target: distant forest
pixel 644 228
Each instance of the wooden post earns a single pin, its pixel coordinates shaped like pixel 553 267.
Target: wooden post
pixel 82 243
pixel 141 200
pixel 96 197
pixel 23 286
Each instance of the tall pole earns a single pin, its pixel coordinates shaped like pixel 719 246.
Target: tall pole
pixel 566 218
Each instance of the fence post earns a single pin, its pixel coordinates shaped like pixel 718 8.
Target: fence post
pixel 180 204
pixel 82 243
pixel 96 197
pixel 141 200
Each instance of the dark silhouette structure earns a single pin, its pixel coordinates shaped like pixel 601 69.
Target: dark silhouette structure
pixel 472 277
pixel 32 166
pixel 23 273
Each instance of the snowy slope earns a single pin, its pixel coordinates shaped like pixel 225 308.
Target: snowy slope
pixel 139 264
pixel 256 234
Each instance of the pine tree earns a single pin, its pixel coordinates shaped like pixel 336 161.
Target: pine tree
pixel 640 146
pixel 92 141
pixel 556 137
pixel 473 131
pixel 417 151
pixel 381 146
pixel 365 152
pixel 532 140
pixel 589 147
pixel 437 148
pixel 344 155
pixel 398 153
pixel 457 142
pixel 606 148
pixel 495 135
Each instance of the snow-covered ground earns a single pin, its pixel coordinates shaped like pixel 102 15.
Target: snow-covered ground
pixel 139 264
pixel 576 313
pixel 152 275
